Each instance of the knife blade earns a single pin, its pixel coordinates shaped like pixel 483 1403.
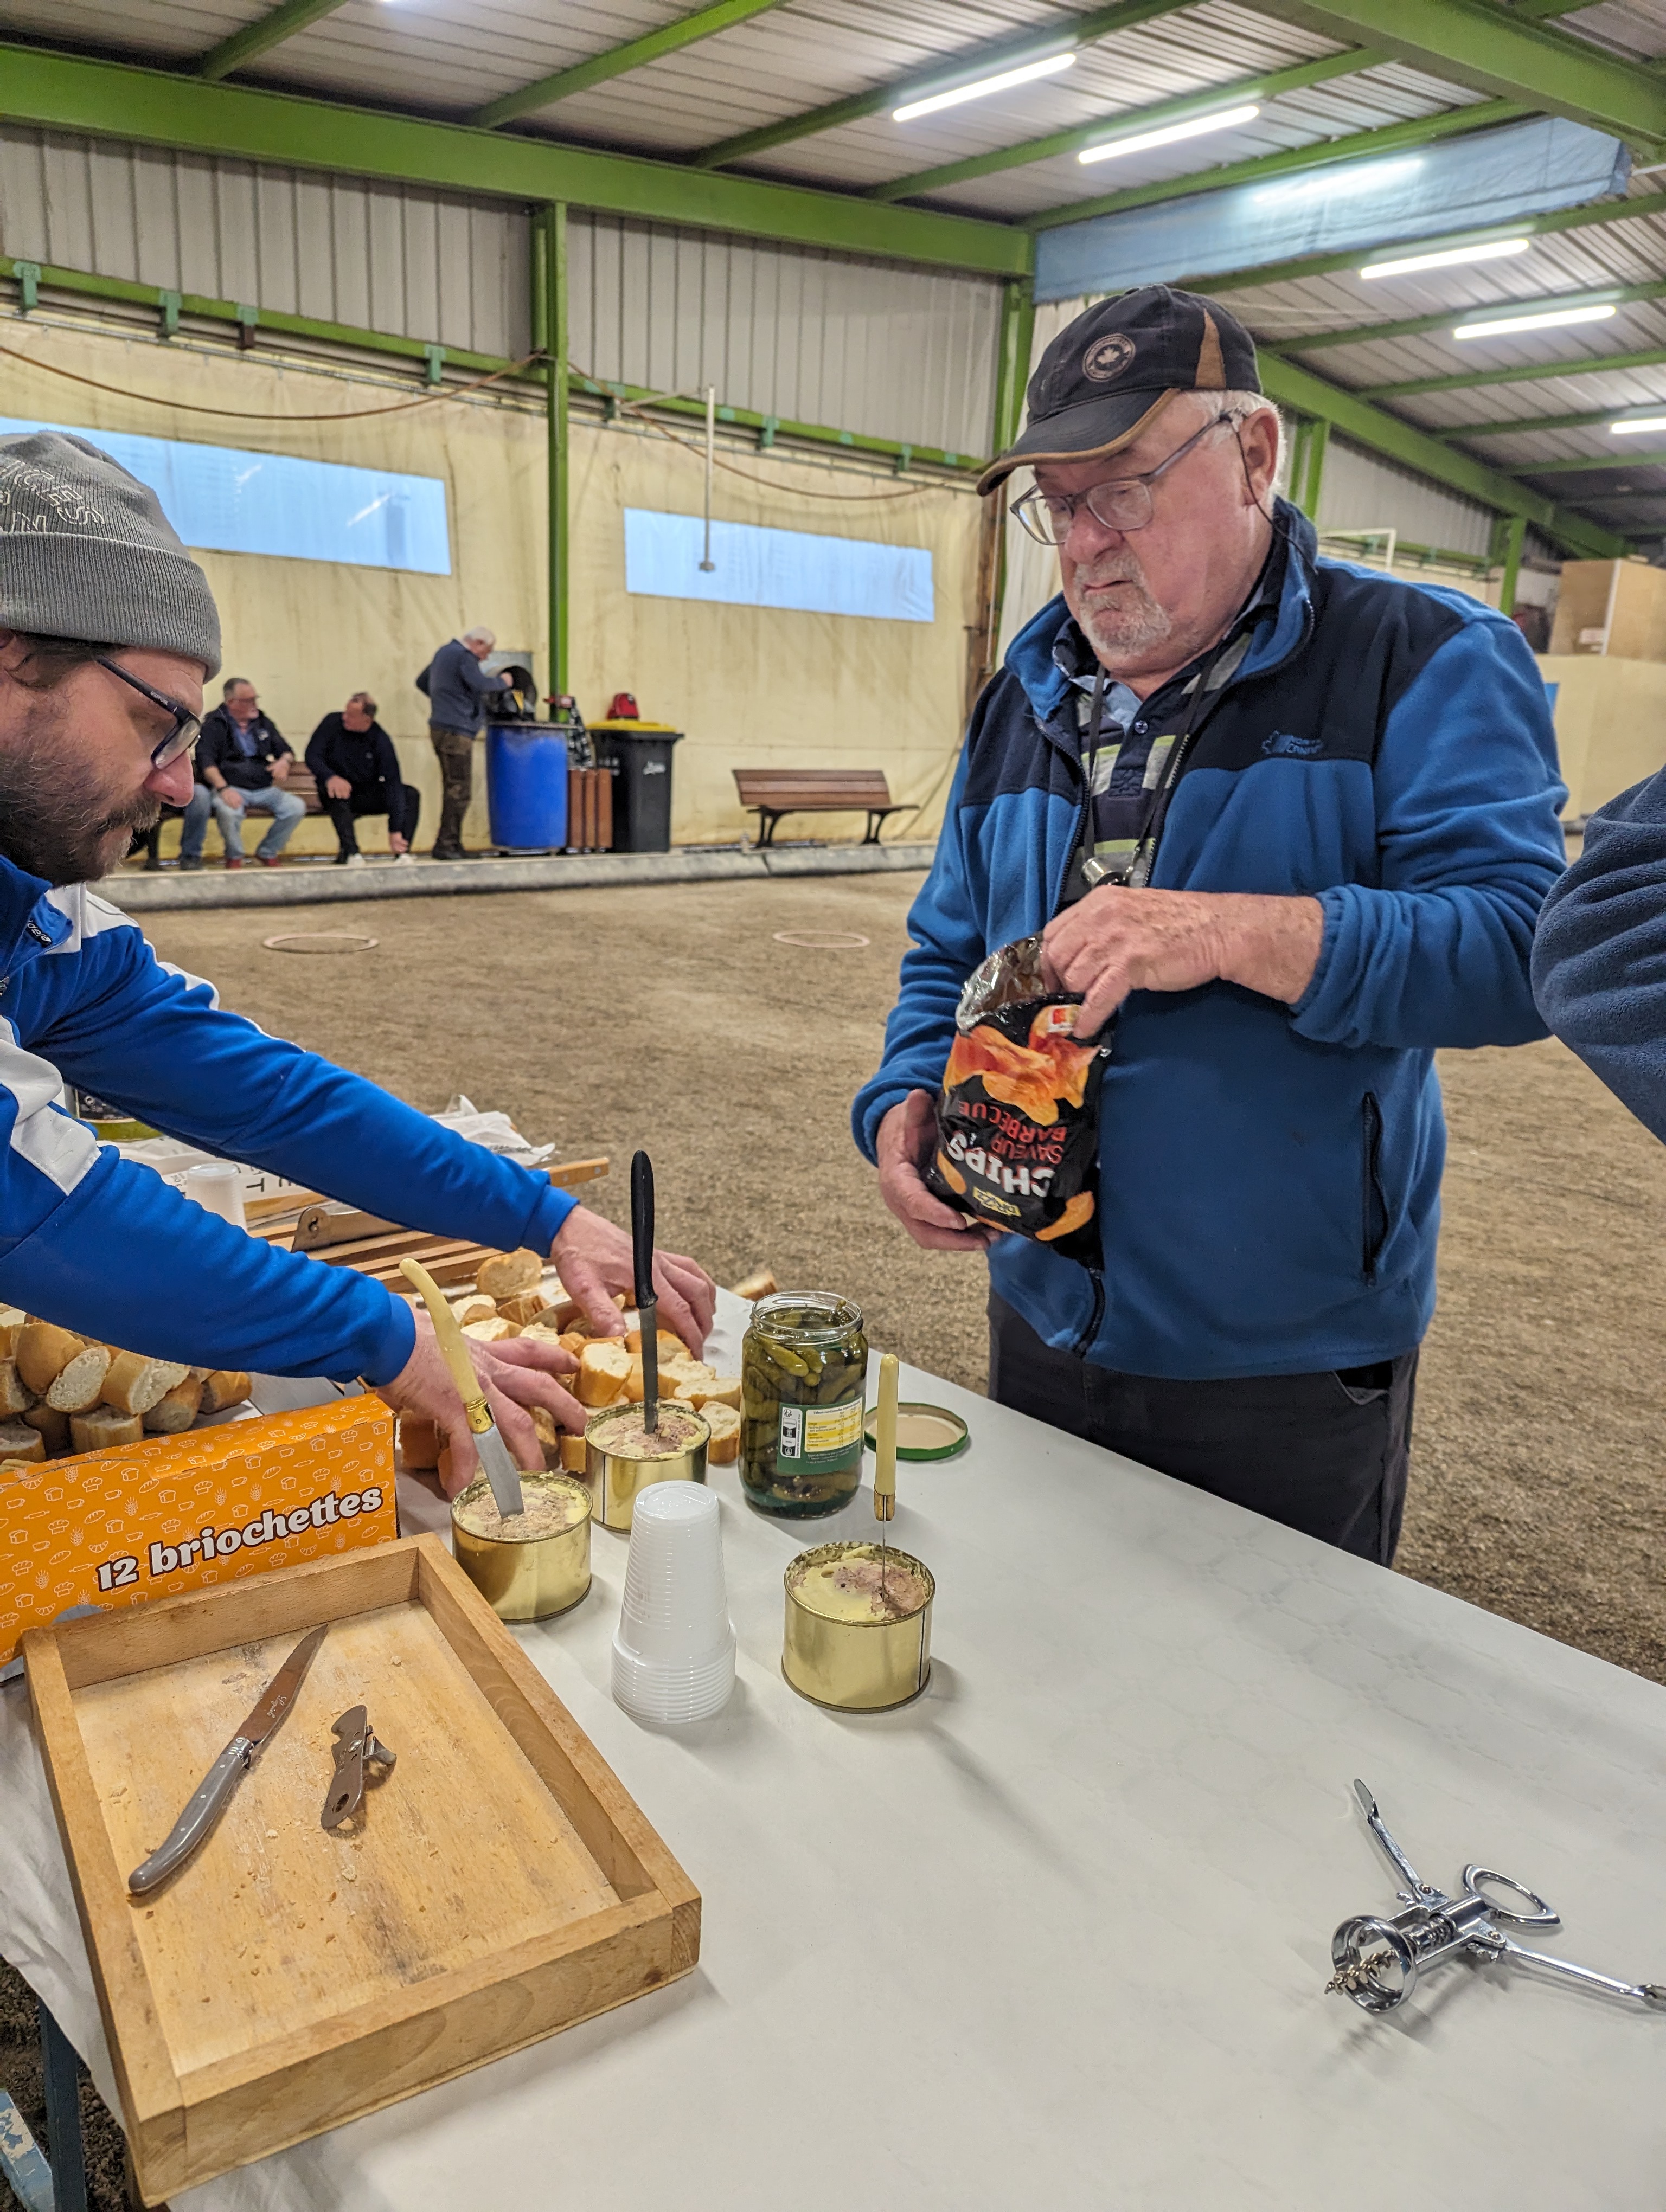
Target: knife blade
pixel 647 1304
pixel 218 1786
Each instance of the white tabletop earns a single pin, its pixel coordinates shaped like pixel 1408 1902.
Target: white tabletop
pixel 1055 1935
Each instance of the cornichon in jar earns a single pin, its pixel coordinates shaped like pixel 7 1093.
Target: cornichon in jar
pixel 803 1377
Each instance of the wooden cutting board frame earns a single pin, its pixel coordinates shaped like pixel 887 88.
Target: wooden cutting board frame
pixel 194 2108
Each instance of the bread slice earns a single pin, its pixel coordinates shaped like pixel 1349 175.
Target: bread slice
pixel 78 1386
pixel 475 1308
pixel 105 1427
pixel 22 1440
pixel 176 1409
pixel 671 1348
pixel 15 1395
pixel 572 1454
pixel 13 1321
pixel 524 1306
pixel 506 1272
pixel 43 1351
pixel 724 1422
pixel 222 1387
pixel 51 1426
pixel 760 1283
pixel 702 1392
pixel 604 1372
pixel 490 1332
pixel 135 1384
pixel 548 1435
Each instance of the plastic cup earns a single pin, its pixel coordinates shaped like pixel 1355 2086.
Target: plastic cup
pixel 673 1649
pixel 217 1185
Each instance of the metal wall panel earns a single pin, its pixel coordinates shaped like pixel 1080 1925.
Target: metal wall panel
pixel 886 351
pixel 390 257
pixel 1360 492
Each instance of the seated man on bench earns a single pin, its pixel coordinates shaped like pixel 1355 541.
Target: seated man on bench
pixel 357 772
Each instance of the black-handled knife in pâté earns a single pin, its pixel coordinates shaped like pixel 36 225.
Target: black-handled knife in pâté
pixel 219 1785
pixel 647 1304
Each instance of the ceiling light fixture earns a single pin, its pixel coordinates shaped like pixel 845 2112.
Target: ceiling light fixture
pixel 1637 423
pixel 1048 66
pixel 1226 118
pixel 1550 319
pixel 1447 257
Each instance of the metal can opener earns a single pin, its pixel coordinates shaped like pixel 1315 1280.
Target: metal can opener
pixel 355 1742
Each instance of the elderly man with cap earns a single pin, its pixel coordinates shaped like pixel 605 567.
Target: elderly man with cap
pixel 1285 824
pixel 107 633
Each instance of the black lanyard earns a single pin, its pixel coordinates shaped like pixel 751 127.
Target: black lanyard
pixel 1136 870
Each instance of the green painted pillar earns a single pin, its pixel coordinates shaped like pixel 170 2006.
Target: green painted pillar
pixel 549 332
pixel 1018 327
pixel 1307 465
pixel 1513 534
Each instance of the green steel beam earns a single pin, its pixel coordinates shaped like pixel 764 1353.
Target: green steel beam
pixel 1489 48
pixel 1307 466
pixel 1018 327
pixel 1353 417
pixel 1331 265
pixel 1413 326
pixel 1130 120
pixel 258 37
pixel 1514 537
pixel 115 100
pixel 1592 419
pixel 1533 372
pixel 635 53
pixel 1389 138
pixel 550 273
pixel 968 63
pixel 1585 465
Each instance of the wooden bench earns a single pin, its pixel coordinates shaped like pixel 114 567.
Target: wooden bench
pixel 777 790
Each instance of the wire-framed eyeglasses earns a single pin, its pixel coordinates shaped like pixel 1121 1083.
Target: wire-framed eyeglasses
pixel 187 727
pixel 1123 503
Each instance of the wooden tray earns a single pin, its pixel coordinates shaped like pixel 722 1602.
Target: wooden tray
pixel 497 1886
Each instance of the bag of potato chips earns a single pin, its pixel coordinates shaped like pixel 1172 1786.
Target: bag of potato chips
pixel 1017 1122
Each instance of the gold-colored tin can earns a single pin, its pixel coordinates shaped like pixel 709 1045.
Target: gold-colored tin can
pixel 620 1458
pixel 859 1634
pixel 534 1576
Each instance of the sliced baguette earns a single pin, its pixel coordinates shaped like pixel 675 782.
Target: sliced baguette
pixel 724 1422
pixel 15 1395
pixel 19 1440
pixel 475 1308
pixel 605 1372
pixel 13 1322
pixel 51 1426
pixel 572 1454
pixel 43 1352
pixel 103 1428
pixel 134 1384
pixel 419 1444
pixel 702 1392
pixel 490 1332
pixel 79 1385
pixel 176 1409
pixel 506 1272
pixel 525 1306
pixel 222 1387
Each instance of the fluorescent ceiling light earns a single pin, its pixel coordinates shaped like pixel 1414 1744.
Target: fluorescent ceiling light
pixel 1343 183
pixel 1025 75
pixel 1638 422
pixel 1449 257
pixel 1227 118
pixel 1552 319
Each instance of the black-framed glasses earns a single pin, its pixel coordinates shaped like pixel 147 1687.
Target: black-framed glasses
pixel 187 727
pixel 1123 503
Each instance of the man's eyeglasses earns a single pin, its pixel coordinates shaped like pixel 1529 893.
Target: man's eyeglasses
pixel 187 727
pixel 1124 503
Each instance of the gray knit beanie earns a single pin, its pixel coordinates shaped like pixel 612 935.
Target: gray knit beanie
pixel 86 552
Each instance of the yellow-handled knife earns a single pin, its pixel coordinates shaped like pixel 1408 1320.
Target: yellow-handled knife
pixel 496 1458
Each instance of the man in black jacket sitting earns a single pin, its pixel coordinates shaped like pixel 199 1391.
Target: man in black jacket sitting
pixel 352 757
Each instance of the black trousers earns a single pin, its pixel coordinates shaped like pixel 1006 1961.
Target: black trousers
pixel 1325 1452
pixel 401 802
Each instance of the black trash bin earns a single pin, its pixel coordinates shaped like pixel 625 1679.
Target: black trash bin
pixel 639 757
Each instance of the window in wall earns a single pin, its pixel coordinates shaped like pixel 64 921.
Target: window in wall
pixel 753 567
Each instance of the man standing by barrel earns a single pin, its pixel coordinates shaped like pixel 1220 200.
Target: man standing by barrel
pixel 457 687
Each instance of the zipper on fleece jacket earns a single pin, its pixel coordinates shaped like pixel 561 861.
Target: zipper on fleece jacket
pixel 1094 1317
pixel 1374 1200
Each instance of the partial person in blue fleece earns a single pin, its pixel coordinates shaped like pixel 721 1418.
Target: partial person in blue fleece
pixel 1289 822
pixel 1599 956
pixel 107 633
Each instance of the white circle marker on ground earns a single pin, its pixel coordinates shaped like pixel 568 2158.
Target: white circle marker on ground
pixel 320 940
pixel 823 940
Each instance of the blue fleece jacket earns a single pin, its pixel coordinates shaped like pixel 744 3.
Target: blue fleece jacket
pixel 1270 1175
pixel 1599 959
pixel 105 1245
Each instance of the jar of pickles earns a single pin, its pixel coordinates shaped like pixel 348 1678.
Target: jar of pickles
pixel 803 1380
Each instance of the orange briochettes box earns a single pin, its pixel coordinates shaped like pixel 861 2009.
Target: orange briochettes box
pixel 176 1513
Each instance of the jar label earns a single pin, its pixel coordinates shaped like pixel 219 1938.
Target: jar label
pixel 819 1439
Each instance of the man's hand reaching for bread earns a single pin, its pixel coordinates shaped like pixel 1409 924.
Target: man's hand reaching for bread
pixel 518 1373
pixel 594 1260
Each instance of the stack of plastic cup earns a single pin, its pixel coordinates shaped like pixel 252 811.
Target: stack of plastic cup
pixel 218 1186
pixel 673 1649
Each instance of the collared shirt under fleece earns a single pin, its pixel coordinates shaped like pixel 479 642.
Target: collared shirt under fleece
pixel 101 1244
pixel 1270 1175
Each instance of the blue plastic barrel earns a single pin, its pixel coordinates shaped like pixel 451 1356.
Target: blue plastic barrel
pixel 526 786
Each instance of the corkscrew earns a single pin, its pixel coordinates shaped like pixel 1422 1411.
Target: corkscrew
pixel 1378 1959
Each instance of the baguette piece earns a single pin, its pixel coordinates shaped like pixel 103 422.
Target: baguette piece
pixel 671 1348
pixel 43 1352
pixel 544 1424
pixel 222 1387
pixel 15 1395
pixel 22 1441
pixel 724 1423
pixel 490 1332
pixel 572 1454
pixel 702 1392
pixel 605 1372
pixel 176 1409
pixel 475 1308
pixel 419 1444
pixel 135 1383
pixel 506 1272
pixel 51 1426
pixel 760 1283
pixel 525 1306
pixel 13 1321
pixel 103 1427
pixel 77 1386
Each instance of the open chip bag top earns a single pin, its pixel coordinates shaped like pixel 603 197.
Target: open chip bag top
pixel 1018 1120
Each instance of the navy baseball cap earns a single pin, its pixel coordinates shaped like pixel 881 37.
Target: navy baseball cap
pixel 1111 371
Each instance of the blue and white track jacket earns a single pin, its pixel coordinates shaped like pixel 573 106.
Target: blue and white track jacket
pixel 1270 1175
pixel 101 1245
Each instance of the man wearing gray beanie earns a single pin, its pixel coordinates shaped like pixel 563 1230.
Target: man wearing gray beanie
pixel 108 632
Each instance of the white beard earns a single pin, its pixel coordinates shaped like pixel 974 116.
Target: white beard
pixel 1135 622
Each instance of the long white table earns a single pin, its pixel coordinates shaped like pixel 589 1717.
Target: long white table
pixel 1057 1934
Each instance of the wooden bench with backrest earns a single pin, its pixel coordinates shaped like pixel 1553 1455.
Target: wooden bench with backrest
pixel 777 790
